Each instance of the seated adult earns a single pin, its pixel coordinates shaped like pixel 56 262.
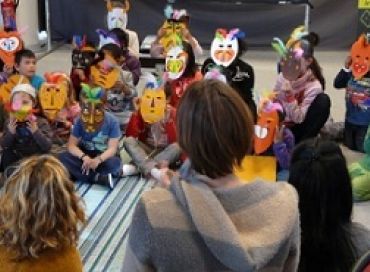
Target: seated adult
pixel 39 217
pixel 208 219
pixel 330 240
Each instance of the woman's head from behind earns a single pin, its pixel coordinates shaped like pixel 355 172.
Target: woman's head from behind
pixel 215 127
pixel 319 173
pixel 39 208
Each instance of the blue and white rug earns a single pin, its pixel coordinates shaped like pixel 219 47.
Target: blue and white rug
pixel 103 240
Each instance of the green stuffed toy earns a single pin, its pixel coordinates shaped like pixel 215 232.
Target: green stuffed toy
pixel 360 174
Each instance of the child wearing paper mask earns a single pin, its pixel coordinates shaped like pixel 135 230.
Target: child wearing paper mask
pixel 58 105
pixel 355 77
pixel 226 51
pixel 175 28
pixel 93 143
pixel 151 133
pixel 300 87
pixel 24 133
pixel 181 71
pixel 118 85
pixel 272 138
pixel 117 18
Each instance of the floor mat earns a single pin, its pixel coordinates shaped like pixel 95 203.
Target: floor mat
pixel 103 240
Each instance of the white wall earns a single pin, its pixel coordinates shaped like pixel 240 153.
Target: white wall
pixel 27 16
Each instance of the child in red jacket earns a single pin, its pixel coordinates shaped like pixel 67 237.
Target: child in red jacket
pixel 151 133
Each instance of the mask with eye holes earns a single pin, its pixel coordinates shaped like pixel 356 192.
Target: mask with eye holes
pixel 176 61
pixel 82 58
pixel 54 94
pixel 115 100
pixel 360 55
pixel 92 108
pixel 225 47
pixel 153 103
pixel 10 43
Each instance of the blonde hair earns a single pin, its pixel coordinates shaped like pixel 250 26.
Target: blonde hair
pixel 39 208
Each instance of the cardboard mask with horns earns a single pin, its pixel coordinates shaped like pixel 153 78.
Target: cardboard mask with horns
pixel 54 94
pixel 360 55
pixel 117 14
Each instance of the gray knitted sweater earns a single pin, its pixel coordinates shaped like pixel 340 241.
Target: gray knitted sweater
pixel 191 227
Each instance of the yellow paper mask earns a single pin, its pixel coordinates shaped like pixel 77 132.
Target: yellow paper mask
pixel 153 104
pixel 53 94
pixel 173 34
pixel 257 167
pixel 106 73
pixel 6 88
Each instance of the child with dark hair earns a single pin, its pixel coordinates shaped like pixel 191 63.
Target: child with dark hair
pixel 300 85
pixel 25 65
pixel 83 55
pixel 238 73
pixel 355 77
pixel 179 80
pixel 129 62
pixel 330 240
pixel 106 72
pixel 24 133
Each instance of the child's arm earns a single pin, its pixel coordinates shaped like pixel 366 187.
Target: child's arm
pixel 344 75
pixel 41 134
pixel 283 148
pixel 8 138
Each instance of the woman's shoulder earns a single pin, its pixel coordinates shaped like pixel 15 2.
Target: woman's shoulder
pixel 360 238
pixel 66 259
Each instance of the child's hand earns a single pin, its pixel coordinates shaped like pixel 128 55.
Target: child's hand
pixel 8 69
pixel 279 134
pixel 12 126
pixel 348 62
pixel 86 165
pixel 136 103
pixel 32 126
pixel 80 73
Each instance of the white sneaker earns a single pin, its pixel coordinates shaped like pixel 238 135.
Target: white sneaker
pixel 156 173
pixel 129 170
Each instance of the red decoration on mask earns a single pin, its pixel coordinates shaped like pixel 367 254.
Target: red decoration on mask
pixel 360 54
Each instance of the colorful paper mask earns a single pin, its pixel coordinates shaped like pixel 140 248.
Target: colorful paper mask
pixel 292 62
pixel 173 34
pixel 105 73
pixel 360 54
pixel 225 47
pixel 106 37
pixel 176 61
pixel 82 54
pixel 257 167
pixel 53 94
pixel 115 100
pixel 6 88
pixel 153 103
pixel 92 108
pixel 21 112
pixel 265 129
pixel 10 43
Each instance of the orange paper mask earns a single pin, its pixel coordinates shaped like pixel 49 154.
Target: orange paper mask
pixel 360 54
pixel 153 105
pixel 10 43
pixel 53 94
pixel 6 88
pixel 106 73
pixel 265 131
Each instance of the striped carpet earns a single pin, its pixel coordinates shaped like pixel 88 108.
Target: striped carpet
pixel 103 240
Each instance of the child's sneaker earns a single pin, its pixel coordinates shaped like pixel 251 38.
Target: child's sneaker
pixel 129 170
pixel 106 180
